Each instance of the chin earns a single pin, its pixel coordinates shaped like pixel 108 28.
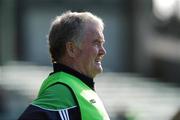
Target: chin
pixel 99 69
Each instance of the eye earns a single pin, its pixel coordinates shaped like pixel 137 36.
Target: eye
pixel 98 42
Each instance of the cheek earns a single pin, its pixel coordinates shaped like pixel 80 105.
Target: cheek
pixel 88 58
pixel 89 54
pixel 92 53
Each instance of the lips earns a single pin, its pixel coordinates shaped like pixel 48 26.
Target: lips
pixel 98 60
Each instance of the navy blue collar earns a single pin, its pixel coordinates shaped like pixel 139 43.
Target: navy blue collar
pixel 85 79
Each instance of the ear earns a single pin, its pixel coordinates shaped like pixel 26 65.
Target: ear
pixel 71 49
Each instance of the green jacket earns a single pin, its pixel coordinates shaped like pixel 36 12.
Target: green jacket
pixel 91 107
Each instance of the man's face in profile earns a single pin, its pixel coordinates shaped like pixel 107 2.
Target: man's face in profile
pixel 91 51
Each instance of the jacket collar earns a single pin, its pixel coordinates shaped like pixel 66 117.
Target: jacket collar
pixel 85 79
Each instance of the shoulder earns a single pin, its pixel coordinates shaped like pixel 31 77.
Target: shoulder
pixel 36 113
pixel 60 90
pixel 56 96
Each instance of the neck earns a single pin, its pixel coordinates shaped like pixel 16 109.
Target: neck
pixel 70 63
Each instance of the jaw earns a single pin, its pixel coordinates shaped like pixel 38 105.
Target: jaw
pixel 89 68
pixel 93 70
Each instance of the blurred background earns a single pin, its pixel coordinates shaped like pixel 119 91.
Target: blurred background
pixel 141 79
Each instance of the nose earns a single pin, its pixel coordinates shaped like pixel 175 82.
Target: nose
pixel 102 50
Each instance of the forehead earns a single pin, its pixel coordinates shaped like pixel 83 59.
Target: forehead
pixel 93 31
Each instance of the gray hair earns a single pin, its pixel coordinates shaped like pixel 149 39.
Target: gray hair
pixel 70 26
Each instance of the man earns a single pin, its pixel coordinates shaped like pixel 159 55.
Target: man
pixel 76 45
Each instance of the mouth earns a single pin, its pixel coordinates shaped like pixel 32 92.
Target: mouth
pixel 98 60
